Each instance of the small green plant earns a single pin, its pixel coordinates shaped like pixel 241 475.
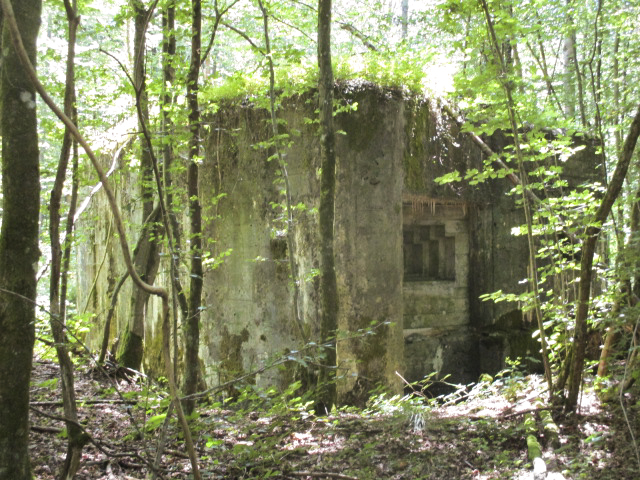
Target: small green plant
pixel 414 407
pixel 511 380
pixel 154 422
pixel 50 384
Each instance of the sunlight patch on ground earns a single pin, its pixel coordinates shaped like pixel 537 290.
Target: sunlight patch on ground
pixel 315 444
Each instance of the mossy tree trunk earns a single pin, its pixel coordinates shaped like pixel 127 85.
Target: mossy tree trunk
pixel 18 243
pixel 328 287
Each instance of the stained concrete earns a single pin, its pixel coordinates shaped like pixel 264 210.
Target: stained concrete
pixel 394 315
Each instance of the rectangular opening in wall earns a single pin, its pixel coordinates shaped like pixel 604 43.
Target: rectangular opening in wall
pixel 435 239
pixel 429 254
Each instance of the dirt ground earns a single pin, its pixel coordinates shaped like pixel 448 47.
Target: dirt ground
pixel 477 433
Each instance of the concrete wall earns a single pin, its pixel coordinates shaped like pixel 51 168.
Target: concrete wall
pixel 392 148
pixel 436 303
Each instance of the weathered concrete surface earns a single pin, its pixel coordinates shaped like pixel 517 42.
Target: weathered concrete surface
pixel 100 261
pixel 368 243
pixel 412 256
pixel 249 321
pixel 250 315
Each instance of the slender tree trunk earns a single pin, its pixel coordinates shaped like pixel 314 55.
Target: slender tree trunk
pixel 607 349
pixel 541 60
pixel 19 250
pixel 586 264
pixel 572 58
pixel 192 327
pixel 568 49
pixel 57 300
pixel 616 94
pixel 285 175
pixel 141 22
pixel 404 19
pixel 533 280
pixel 328 284
pixel 73 204
pixel 633 242
pixel 147 260
pixel 168 76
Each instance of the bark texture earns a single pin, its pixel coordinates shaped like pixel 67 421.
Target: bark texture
pixel 146 260
pixel 328 286
pixel 586 264
pixel 18 243
pixel 192 325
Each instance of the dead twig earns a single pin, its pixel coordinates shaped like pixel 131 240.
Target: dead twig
pixel 322 475
pixel 530 410
pixel 86 402
pixel 176 453
pixel 43 429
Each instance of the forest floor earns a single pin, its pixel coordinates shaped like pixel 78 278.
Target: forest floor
pixel 476 433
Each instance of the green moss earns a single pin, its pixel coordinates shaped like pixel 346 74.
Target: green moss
pixel 362 125
pixel 153 361
pixel 416 131
pixel 131 350
pixel 414 178
pixel 533 447
pixel 231 354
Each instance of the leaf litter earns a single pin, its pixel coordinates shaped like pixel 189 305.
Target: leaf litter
pixel 477 435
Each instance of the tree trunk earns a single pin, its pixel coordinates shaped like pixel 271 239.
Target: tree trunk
pixel 328 287
pixel 573 71
pixel 168 77
pixel 291 226
pixel 57 299
pixel 404 19
pixel 192 327
pixel 568 54
pixel 146 261
pixel 533 268
pixel 141 21
pixel 18 242
pixel 586 264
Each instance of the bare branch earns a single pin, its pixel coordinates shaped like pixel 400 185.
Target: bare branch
pixel 358 34
pixel 245 36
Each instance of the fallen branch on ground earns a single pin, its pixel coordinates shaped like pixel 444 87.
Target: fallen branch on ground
pixel 43 429
pixel 86 402
pixel 322 475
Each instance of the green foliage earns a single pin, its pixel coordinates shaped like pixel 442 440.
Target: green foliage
pixel 154 422
pixel 50 384
pixel 524 73
pixel 511 380
pixel 369 43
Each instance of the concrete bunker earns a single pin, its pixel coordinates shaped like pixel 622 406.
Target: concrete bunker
pixel 410 254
